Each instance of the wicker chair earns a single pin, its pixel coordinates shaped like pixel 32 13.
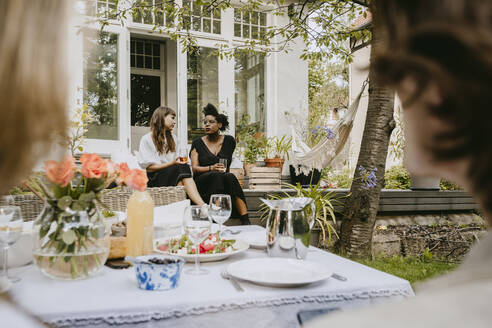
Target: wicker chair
pixel 115 200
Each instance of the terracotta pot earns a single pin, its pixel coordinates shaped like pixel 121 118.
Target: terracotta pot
pixel 274 162
pixel 247 168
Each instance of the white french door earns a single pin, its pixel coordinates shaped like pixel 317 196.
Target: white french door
pixel 106 89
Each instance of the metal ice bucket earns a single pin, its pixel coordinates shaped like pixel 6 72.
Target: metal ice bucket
pixel 289 226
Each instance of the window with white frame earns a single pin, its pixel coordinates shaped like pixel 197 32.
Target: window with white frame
pixel 203 18
pixel 100 7
pixel 249 83
pixel 249 25
pixel 153 12
pixel 145 54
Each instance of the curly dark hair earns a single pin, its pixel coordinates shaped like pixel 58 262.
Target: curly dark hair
pixel 449 43
pixel 221 118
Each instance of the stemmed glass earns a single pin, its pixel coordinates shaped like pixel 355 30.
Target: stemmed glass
pixel 197 226
pixel 10 231
pixel 220 209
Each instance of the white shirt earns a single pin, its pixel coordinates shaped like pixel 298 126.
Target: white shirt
pixel 147 153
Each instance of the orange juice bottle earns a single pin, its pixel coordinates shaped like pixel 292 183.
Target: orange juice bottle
pixel 139 224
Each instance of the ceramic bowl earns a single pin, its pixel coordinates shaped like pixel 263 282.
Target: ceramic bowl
pixel 151 276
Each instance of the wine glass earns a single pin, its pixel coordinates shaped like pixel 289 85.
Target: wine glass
pixel 197 227
pixel 223 161
pixel 220 209
pixel 10 231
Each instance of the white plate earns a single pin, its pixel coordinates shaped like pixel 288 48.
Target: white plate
pixel 239 245
pixel 279 272
pixel 255 239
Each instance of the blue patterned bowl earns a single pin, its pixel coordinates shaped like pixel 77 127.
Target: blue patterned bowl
pixel 151 276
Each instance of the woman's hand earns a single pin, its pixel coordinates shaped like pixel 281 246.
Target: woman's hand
pixel 217 167
pixel 178 161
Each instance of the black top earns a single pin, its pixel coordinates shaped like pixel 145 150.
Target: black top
pixel 206 157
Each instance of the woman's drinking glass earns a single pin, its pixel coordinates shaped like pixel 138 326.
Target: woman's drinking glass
pixel 223 161
pixel 197 227
pixel 10 231
pixel 183 155
pixel 220 209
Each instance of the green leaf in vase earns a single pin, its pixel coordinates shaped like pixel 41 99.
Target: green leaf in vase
pixel 64 202
pixel 87 197
pixel 80 205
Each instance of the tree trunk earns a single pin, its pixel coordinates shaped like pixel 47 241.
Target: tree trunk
pixel 362 205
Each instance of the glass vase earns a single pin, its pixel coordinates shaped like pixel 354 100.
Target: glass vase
pixel 68 244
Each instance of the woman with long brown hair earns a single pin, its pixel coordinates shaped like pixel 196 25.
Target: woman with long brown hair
pixel 437 55
pixel 157 155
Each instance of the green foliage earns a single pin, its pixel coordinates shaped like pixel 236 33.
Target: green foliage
pixel 448 185
pixel 253 149
pixel 328 96
pixel 340 179
pixel 325 26
pixel 413 269
pixel 279 147
pixel 79 125
pixel 397 177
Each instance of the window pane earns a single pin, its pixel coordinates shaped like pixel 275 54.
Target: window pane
pixel 237 15
pixel 263 19
pixel 246 31
pixel 203 87
pixel 206 25
pixel 216 27
pixel 249 76
pixel 246 17
pixel 146 97
pixel 237 30
pixel 157 63
pixel 140 47
pixel 254 32
pixel 132 60
pixel 101 83
pixel 147 19
pixel 140 61
pixel 196 23
pixel 156 51
pixel 148 62
pixel 148 49
pixel 216 13
pixel 132 46
pixel 254 18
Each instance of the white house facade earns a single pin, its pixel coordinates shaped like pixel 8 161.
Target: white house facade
pixel 128 70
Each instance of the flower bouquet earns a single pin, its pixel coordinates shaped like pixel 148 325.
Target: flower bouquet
pixel 71 239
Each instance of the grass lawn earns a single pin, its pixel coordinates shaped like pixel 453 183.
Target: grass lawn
pixel 413 269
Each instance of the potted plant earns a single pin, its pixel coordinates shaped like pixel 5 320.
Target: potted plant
pixel 253 149
pixel 279 148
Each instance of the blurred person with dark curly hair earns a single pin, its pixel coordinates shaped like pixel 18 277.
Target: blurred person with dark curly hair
pixel 437 55
pixel 212 177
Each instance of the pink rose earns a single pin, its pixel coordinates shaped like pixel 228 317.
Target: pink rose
pixel 93 166
pixel 137 180
pixel 61 173
pixel 123 173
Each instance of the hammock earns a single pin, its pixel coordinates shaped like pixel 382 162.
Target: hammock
pixel 320 156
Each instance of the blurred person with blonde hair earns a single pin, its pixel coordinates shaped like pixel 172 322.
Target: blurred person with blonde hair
pixel 33 111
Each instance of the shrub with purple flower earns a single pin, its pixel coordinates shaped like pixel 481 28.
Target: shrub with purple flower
pixel 368 177
pixel 322 131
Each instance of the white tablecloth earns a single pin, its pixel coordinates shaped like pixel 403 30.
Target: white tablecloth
pixel 112 297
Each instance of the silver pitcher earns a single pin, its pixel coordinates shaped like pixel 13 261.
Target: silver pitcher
pixel 289 226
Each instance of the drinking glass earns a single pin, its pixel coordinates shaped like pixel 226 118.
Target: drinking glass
pixel 197 227
pixel 10 231
pixel 183 155
pixel 220 209
pixel 223 161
